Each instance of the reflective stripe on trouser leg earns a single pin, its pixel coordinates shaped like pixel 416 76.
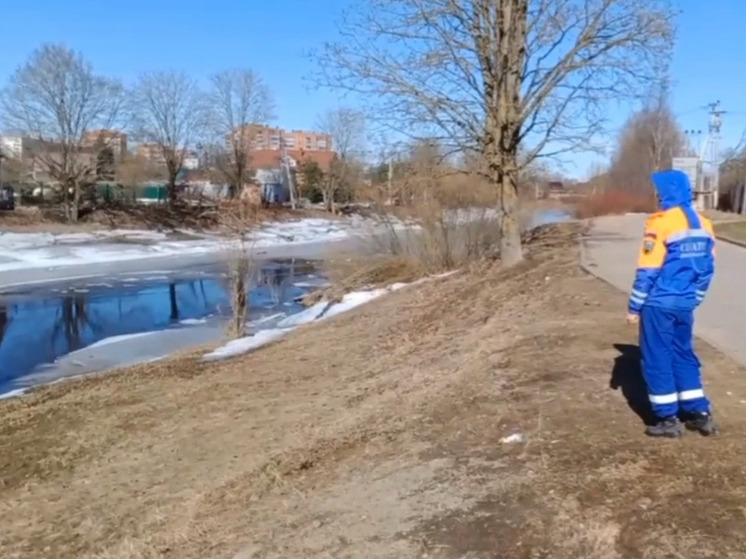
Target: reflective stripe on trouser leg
pixel 656 347
pixel 686 366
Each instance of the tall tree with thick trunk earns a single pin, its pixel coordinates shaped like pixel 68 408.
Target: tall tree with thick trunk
pixel 55 98
pixel 238 101
pixel 514 79
pixel 169 110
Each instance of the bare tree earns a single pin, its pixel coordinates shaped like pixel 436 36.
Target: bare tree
pixel 499 75
pixel 239 100
pixel 169 111
pixel 56 98
pixel 648 142
pixel 133 170
pixel 347 130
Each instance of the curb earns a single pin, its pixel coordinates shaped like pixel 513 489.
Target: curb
pixel 730 240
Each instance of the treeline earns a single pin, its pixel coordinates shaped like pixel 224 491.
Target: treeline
pixel 56 101
pixel 647 142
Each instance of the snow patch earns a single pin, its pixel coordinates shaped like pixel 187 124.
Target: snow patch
pixel 244 345
pixel 44 250
pixel 115 339
pixel 13 393
pixel 316 313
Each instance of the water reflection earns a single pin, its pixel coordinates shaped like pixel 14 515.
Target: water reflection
pixel 42 328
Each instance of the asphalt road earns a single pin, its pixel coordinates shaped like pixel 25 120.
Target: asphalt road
pixel 610 252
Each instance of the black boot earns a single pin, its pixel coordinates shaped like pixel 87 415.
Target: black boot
pixel 667 427
pixel 703 423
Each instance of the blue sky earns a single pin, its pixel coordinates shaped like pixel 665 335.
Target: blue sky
pixel 200 36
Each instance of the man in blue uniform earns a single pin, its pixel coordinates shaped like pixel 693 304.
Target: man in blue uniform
pixel 674 271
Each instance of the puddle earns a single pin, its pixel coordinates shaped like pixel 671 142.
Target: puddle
pixel 56 330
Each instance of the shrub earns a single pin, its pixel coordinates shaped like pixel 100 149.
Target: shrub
pixel 614 201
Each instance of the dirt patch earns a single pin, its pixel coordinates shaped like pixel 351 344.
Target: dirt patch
pixel 381 434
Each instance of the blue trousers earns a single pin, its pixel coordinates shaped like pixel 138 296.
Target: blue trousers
pixel 670 366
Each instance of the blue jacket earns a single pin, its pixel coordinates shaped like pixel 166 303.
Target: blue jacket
pixel 677 256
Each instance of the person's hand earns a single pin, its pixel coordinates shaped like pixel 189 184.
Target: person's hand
pixel 633 318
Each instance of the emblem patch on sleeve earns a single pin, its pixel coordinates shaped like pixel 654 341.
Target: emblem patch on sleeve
pixel 648 246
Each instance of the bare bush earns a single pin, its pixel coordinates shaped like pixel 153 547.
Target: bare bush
pixel 347 130
pixel 445 219
pixel 732 180
pixel 238 218
pixel 613 201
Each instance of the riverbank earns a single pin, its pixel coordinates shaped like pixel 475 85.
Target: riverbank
pixel 40 257
pixel 468 416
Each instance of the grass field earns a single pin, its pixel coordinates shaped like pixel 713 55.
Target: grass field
pixel 493 413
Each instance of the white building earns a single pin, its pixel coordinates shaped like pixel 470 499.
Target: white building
pixel 191 161
pixel 12 146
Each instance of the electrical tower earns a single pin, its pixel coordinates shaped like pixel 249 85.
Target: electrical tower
pixel 710 156
pixel 703 168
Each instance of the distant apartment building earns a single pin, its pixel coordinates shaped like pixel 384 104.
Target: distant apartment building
pixel 112 139
pixel 152 153
pixel 266 145
pixel 261 137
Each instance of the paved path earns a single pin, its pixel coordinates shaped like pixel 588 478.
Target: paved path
pixel 610 252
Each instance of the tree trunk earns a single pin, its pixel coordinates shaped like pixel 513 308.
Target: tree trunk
pixel 172 168
pixel 65 199
pixel 171 188
pixel 328 194
pixel 75 207
pixel 512 25
pixel 511 251
pixel 237 189
pixel 173 301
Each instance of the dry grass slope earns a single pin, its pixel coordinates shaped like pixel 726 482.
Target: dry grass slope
pixel 378 435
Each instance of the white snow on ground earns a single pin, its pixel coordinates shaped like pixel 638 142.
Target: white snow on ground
pixel 192 321
pixel 41 250
pixel 316 313
pixel 243 345
pixel 20 251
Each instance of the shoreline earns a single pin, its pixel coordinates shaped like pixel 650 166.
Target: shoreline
pixel 360 238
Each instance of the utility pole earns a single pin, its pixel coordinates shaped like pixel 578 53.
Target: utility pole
pixel 742 188
pixel 389 179
pixel 285 162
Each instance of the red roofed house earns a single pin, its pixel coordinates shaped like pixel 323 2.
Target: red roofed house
pixel 266 154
